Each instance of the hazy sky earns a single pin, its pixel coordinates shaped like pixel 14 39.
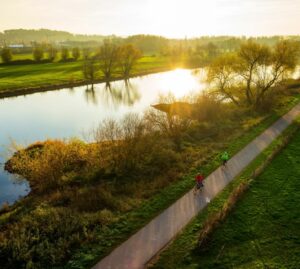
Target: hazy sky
pixel 172 18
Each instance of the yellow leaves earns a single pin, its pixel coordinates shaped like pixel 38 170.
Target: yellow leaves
pixel 51 163
pixel 41 211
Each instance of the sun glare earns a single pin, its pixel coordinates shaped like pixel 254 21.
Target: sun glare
pixel 179 20
pixel 180 82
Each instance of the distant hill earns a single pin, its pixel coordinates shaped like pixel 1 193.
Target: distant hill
pixel 149 44
pixel 23 36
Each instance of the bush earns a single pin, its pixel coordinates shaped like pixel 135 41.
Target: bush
pixel 75 53
pixel 64 54
pixel 43 237
pixel 6 55
pixel 53 164
pixel 132 148
pixel 38 54
pixel 52 53
pixel 208 108
pixel 271 100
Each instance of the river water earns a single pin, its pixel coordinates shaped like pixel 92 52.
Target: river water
pixel 74 112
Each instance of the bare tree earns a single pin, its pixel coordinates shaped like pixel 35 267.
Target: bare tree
pixel 52 52
pixel 272 72
pixel 251 56
pixel 64 54
pixel 263 68
pixel 128 57
pixel 89 70
pixel 253 72
pixel 108 58
pixel 222 76
pixel 169 124
pixel 76 53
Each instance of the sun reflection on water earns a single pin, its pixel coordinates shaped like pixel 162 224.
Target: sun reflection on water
pixel 180 82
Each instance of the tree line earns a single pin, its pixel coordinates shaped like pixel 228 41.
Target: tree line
pixel 28 36
pixel 110 58
pixel 148 44
pixel 48 52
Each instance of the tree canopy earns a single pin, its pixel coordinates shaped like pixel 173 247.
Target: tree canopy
pixel 251 73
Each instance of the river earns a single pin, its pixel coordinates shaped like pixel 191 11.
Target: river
pixel 74 112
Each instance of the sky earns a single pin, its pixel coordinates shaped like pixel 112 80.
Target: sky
pixel 170 18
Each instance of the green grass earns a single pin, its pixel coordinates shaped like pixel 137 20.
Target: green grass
pixel 40 75
pixel 35 75
pixel 263 230
pixel 131 222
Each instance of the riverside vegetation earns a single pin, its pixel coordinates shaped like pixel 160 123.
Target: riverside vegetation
pixel 88 197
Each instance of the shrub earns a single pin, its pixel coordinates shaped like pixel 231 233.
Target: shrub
pixel 132 148
pixel 209 108
pixel 51 164
pixel 6 55
pixel 76 53
pixel 38 54
pixel 52 53
pixel 64 54
pixel 44 236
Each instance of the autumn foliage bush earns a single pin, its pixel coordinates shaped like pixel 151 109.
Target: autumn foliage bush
pixel 53 163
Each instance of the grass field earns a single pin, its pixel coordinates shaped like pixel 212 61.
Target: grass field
pixel 40 75
pixel 263 230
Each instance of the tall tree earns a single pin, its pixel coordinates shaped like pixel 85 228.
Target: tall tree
pixel 38 53
pixel 52 53
pixel 86 53
pixel 254 72
pixel 212 50
pixel 128 57
pixel 64 53
pixel 221 74
pixel 6 55
pixel 76 53
pixel 108 58
pixel 89 70
pixel 252 55
pixel 282 63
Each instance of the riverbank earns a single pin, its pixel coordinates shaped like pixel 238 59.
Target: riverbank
pixel 101 212
pixel 30 90
pixel 27 79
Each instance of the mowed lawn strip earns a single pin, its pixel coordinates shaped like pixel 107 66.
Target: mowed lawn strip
pixel 262 231
pixel 47 74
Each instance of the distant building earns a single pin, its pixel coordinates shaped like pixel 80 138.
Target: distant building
pixel 16 46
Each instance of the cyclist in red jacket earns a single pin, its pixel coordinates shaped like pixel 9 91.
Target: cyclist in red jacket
pixel 199 182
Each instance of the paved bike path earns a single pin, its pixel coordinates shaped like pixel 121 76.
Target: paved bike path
pixel 148 241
